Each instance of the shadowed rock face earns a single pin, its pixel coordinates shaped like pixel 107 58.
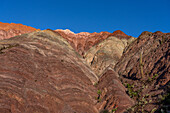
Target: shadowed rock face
pixel 145 66
pixel 41 72
pixel 154 48
pixel 9 30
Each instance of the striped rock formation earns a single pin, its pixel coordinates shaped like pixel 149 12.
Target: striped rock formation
pixel 63 72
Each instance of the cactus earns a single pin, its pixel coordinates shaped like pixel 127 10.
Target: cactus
pixel 141 63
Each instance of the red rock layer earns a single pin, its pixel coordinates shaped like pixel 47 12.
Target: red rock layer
pixel 120 34
pixel 83 41
pixel 10 30
pixel 113 93
pixel 154 48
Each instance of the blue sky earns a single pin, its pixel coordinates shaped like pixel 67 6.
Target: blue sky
pixel 131 16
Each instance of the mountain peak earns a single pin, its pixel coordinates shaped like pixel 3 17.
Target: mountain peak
pixel 66 31
pixel 119 32
pixel 7 26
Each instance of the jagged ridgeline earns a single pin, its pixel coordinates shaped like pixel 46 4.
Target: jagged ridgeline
pixel 58 71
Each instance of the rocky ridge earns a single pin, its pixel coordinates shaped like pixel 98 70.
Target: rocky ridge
pixel 144 70
pixel 10 30
pixel 83 41
pixel 98 49
pixel 60 71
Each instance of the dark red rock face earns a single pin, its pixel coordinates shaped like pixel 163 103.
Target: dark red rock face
pixel 10 30
pixel 113 93
pixel 83 41
pixel 155 57
pixel 145 66
pixel 40 72
pixel 120 34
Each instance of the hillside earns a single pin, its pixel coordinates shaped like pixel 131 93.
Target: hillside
pixel 59 71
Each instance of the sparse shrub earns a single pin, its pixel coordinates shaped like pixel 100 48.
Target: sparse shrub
pixel 99 92
pixel 113 110
pixel 156 75
pixel 141 63
pixel 104 111
pixel 153 110
pixel 7 47
pixel 130 91
pixel 95 84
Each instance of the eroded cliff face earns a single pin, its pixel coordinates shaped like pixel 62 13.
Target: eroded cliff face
pixel 10 30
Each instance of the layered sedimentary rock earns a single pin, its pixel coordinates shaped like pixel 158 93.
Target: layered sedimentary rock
pixel 63 72
pixel 9 30
pixel 83 41
pixel 144 69
pixel 153 50
pixel 113 94
pixel 41 72
pixel 98 49
pixel 106 53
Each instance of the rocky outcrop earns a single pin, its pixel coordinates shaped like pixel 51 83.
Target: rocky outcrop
pixel 10 30
pixel 153 50
pixel 98 49
pixel 120 34
pixel 144 69
pixel 106 53
pixel 41 72
pixel 113 97
pixel 83 41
